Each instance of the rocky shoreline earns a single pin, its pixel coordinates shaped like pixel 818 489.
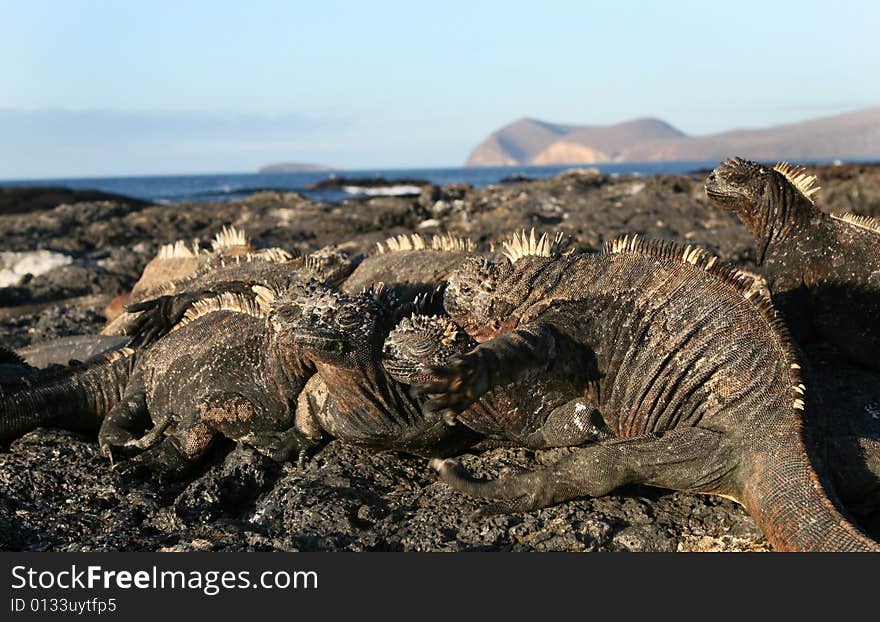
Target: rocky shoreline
pixel 58 493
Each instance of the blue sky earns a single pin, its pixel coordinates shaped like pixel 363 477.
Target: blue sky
pixel 114 88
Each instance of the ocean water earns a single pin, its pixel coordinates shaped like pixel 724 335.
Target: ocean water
pixel 227 187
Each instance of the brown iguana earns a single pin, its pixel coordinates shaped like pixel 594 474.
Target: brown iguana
pixel 546 409
pixel 824 264
pixel 536 414
pixel 414 264
pixel 695 377
pixel 351 396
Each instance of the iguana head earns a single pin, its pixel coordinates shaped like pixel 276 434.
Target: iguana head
pixel 767 200
pixel 335 327
pixel 482 294
pixel 420 342
pixel 472 296
pixel 330 264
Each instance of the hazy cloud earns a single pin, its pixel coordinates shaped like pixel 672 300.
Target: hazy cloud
pixel 56 142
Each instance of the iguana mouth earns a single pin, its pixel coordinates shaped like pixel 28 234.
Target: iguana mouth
pixel 720 198
pixel 405 372
pixel 325 342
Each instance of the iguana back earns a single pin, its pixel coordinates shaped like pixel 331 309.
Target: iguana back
pixel 698 380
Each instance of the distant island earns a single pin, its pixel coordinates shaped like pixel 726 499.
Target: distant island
pixel 854 135
pixel 293 167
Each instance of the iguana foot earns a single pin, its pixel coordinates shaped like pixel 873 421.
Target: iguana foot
pixel 461 383
pixel 157 316
pixel 152 436
pixel 164 459
pixel 117 443
pixel 517 493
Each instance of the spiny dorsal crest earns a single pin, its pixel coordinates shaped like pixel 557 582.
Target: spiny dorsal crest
pixel 178 250
pixel 229 237
pixel 272 255
pixel 416 242
pixel 10 356
pixel 402 242
pixel 121 353
pixel 752 286
pixel 427 300
pixel 799 178
pixel 265 297
pixel 524 245
pixel 227 301
pixel 432 326
pixel 452 243
pixel 864 222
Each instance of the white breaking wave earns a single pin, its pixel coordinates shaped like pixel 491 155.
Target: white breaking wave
pixel 14 266
pixel 386 191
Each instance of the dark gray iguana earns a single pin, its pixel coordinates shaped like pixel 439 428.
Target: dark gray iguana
pixel 540 412
pixel 233 291
pixel 546 409
pixel 219 373
pixel 79 398
pixel 351 396
pixel 75 397
pixel 341 332
pixel 826 265
pixel 413 264
pixel 696 378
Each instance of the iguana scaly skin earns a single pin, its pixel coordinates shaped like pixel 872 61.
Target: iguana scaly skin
pixel 178 261
pixel 240 277
pixel 825 265
pixel 221 373
pixel 351 396
pixel 75 397
pixel 552 408
pixel 540 412
pixel 696 378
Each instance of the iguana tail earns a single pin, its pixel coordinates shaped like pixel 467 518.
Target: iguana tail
pixel 75 398
pixel 791 503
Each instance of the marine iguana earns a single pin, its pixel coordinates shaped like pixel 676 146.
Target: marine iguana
pixel 80 399
pixel 697 380
pixel 247 288
pixel 147 320
pixel 545 410
pixel 219 373
pixel 351 396
pixel 411 263
pixel 826 264
pixel 535 413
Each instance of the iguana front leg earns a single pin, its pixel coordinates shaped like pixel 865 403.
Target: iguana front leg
pixel 497 362
pixel 689 459
pixel 125 421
